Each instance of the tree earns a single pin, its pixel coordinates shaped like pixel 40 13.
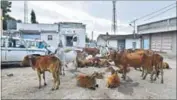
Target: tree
pixel 87 39
pixel 5 6
pixel 33 17
pixel 19 21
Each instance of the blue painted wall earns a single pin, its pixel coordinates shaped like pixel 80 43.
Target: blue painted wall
pixel 31 36
pixel 146 43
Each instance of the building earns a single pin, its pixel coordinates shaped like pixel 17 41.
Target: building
pixel 69 30
pixel 159 35
pixel 52 33
pixel 46 32
pixel 119 41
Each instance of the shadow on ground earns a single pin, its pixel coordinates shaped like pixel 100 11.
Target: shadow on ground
pixel 126 87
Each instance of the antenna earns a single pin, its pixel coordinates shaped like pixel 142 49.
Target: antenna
pixel 25 11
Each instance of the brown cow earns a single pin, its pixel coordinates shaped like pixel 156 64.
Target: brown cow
pixel 126 59
pixel 89 81
pixel 91 51
pixel 113 80
pixel 45 63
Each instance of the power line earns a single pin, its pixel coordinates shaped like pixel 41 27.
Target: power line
pixel 153 12
pixel 160 13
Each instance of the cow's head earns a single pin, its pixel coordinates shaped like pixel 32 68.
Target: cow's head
pixel 25 61
pixel 29 60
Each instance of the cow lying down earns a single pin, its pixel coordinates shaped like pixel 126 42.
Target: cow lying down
pixel 89 81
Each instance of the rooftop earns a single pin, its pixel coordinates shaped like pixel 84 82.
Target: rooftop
pixel 115 37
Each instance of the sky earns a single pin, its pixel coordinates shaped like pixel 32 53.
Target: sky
pixel 97 15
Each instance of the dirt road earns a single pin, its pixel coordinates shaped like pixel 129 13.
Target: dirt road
pixel 24 85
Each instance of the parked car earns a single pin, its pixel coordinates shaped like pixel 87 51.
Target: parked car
pixel 13 50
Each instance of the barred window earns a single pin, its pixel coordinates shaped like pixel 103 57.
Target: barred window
pixel 49 37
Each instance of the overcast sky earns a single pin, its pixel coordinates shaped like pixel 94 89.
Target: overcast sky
pixel 97 15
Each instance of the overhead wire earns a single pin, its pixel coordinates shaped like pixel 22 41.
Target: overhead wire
pixel 142 17
pixel 160 13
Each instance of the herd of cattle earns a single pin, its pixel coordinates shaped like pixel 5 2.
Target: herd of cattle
pixel 148 61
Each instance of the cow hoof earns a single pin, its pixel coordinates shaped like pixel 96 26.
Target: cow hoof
pixel 96 85
pixel 162 81
pixel 155 79
pixel 93 88
pixel 39 87
pixel 108 86
pixel 45 84
pixel 52 89
pixel 57 88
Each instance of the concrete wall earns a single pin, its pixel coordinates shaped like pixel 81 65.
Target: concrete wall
pixel 80 32
pixel 129 43
pixel 112 43
pixel 101 42
pixel 174 43
pixel 55 39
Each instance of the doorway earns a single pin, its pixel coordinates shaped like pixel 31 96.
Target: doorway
pixel 69 41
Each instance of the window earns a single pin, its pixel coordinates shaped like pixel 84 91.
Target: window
pixel 69 41
pixel 15 43
pixel 49 37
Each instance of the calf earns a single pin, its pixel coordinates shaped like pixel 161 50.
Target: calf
pixel 166 65
pixel 45 63
pixel 113 80
pixel 89 81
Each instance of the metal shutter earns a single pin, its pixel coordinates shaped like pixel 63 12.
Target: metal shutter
pixel 166 42
pixel 156 42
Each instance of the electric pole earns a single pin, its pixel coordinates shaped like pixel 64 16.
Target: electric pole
pixel 114 20
pixel 25 11
pixel 92 36
pixel 134 27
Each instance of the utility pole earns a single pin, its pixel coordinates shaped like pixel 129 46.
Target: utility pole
pixel 92 36
pixel 107 39
pixel 114 20
pixel 25 12
pixel 134 27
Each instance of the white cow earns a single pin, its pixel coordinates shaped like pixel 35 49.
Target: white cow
pixel 66 57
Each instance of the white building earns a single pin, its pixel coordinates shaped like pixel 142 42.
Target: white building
pixel 46 32
pixel 69 30
pixel 119 41
pixel 52 33
pixel 159 35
